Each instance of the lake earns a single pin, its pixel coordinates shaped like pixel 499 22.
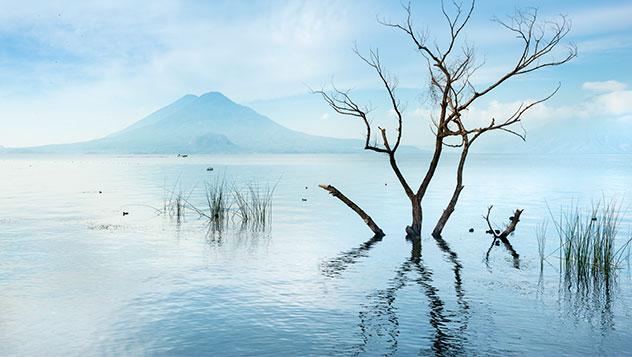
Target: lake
pixel 77 277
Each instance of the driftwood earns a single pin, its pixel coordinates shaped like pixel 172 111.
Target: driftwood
pixel 502 236
pixel 359 211
pixel 511 227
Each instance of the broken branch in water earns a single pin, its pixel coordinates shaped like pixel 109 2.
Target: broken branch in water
pixel 365 217
pixel 502 236
pixel 511 227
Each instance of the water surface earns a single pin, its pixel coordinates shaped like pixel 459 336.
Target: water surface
pixel 79 278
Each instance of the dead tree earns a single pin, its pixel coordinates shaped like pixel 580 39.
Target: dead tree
pixel 451 68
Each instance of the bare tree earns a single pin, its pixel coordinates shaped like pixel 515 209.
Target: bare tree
pixel 451 68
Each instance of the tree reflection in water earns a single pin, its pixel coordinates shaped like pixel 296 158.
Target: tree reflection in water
pixel 334 267
pixel 379 316
pixel 514 254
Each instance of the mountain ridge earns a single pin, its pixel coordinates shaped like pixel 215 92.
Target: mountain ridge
pixel 209 123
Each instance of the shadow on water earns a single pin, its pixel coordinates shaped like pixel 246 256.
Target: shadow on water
pixel 514 254
pixel 334 267
pixel 379 317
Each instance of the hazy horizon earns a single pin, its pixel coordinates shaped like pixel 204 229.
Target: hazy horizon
pixel 75 72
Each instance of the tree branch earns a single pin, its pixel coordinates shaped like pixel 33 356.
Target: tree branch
pixel 365 217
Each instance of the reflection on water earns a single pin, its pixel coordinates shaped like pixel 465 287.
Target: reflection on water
pixel 334 267
pixel 589 299
pixel 592 304
pixel 248 240
pixel 510 249
pixel 379 317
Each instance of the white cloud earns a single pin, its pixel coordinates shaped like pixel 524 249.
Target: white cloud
pixel 604 86
pixel 616 103
pixel 604 43
pixel 590 20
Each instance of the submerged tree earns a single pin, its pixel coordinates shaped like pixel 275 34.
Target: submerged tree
pixel 451 68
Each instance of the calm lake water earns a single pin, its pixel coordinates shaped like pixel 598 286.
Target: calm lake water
pixel 79 278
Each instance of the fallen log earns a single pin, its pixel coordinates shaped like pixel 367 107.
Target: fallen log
pixel 359 211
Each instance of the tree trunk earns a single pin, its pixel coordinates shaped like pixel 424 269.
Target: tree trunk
pixel 447 212
pixel 432 168
pixel 414 230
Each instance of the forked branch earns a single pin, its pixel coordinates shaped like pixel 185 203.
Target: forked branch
pixel 502 236
pixel 510 228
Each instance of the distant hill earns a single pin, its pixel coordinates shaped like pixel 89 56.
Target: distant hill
pixel 210 123
pixel 567 136
pixel 597 134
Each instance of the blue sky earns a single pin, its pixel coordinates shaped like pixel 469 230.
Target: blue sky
pixel 72 71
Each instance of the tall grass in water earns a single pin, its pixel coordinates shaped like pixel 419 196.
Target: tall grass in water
pixel 242 209
pixel 540 234
pixel 174 204
pixel 253 205
pixel 587 243
pixel 218 205
pixel 250 206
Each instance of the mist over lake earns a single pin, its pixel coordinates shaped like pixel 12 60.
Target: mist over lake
pixel 78 277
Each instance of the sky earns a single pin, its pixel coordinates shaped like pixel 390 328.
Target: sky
pixel 73 71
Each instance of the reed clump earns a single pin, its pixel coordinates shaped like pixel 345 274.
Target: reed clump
pixel 253 205
pixel 588 243
pixel 174 204
pixel 248 206
pixel 217 202
pixel 540 234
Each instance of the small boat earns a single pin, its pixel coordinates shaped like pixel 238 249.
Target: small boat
pixel 209 169
pixel 183 155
